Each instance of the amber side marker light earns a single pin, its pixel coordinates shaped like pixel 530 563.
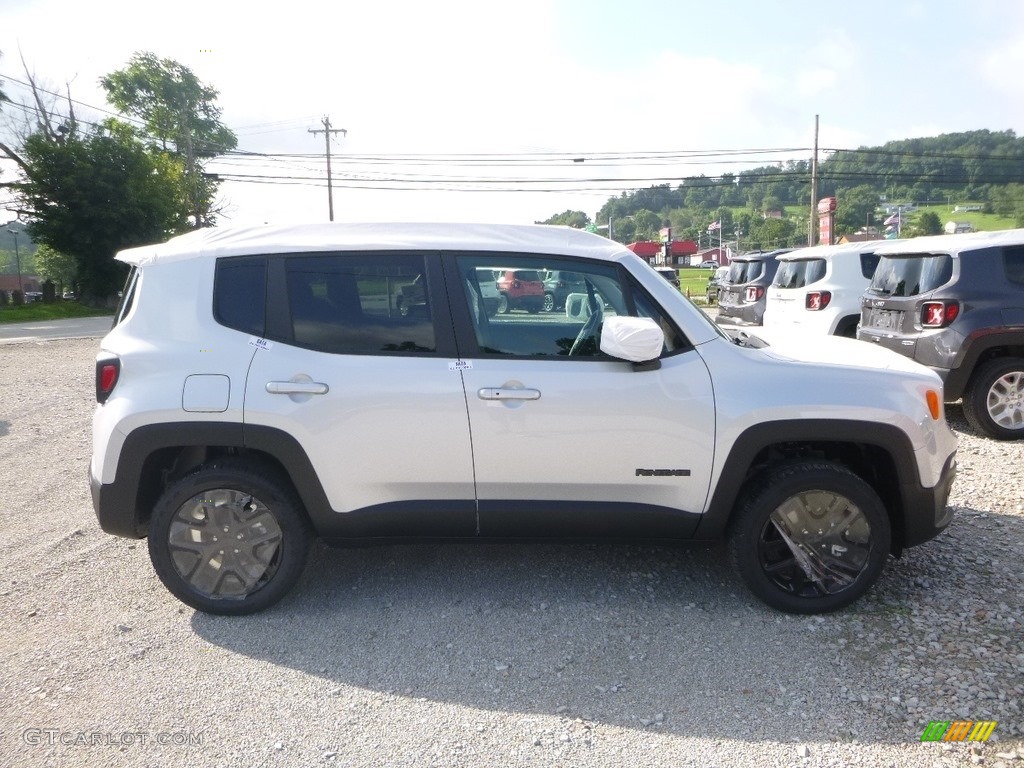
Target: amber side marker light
pixel 934 403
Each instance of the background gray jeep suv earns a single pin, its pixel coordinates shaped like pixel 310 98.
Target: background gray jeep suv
pixel 956 304
pixel 741 295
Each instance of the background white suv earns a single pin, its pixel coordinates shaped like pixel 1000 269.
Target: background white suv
pixel 818 289
pixel 262 386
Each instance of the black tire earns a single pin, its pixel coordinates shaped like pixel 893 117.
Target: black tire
pixel 847 327
pixel 994 399
pixel 549 303
pixel 254 508
pixel 503 304
pixel 846 563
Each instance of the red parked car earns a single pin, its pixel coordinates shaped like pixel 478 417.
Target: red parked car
pixel 520 289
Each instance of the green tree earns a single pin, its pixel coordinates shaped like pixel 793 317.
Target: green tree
pixel 90 196
pixel 648 225
pixel 54 265
pixel 928 223
pixel 574 219
pixel 180 115
pixel 773 233
pixel 854 208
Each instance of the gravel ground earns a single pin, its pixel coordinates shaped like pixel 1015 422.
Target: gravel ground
pixel 485 655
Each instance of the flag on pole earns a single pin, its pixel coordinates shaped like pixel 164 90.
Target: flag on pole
pixel 715 225
pixel 894 219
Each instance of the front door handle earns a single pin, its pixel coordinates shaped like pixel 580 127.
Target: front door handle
pixel 297 388
pixel 505 393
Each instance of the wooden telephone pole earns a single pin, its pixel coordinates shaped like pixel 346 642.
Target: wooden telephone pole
pixel 812 225
pixel 327 131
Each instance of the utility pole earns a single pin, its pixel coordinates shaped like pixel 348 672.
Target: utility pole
pixel 327 131
pixel 17 258
pixel 811 226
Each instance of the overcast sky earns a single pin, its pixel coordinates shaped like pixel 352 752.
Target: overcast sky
pixel 667 87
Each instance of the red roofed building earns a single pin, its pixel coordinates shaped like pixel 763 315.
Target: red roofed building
pixel 646 249
pixel 653 252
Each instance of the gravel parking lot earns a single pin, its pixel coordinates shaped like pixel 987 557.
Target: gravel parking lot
pixel 485 655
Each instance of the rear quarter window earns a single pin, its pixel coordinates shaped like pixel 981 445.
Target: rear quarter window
pixel 868 264
pixel 240 293
pixel 1013 264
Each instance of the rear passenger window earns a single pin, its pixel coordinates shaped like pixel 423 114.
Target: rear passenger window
pixel 360 304
pixel 1013 263
pixel 239 293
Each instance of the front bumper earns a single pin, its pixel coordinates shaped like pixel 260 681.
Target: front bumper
pixel 926 513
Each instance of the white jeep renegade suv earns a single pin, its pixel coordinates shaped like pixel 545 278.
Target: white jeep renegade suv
pixel 818 290
pixel 263 386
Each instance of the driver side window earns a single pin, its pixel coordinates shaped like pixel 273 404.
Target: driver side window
pixel 539 306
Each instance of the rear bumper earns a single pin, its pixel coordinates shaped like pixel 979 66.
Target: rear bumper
pixel 114 505
pixel 733 315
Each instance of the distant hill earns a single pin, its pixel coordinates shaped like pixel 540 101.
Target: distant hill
pixel 769 206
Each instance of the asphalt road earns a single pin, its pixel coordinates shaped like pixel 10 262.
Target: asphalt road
pixel 74 328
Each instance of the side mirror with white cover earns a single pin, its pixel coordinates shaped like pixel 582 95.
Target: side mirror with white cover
pixel 636 339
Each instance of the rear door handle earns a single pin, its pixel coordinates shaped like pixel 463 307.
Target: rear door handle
pixel 504 393
pixel 297 388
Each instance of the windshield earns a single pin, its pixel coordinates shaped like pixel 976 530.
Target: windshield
pixel 745 271
pixel 797 274
pixel 911 275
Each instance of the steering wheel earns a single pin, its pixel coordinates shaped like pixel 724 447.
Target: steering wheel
pixel 589 328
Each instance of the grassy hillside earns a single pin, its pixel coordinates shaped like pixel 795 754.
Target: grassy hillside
pixel 982 222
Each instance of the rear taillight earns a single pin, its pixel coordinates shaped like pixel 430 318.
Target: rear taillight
pixel 108 371
pixel 939 314
pixel 753 293
pixel 817 300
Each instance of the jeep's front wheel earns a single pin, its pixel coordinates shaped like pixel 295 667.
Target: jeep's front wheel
pixel 810 537
pixel 228 540
pixel 994 399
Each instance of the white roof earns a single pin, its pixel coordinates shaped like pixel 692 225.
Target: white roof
pixel 509 238
pixel 952 243
pixel 822 251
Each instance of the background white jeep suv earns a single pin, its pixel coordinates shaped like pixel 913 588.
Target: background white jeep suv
pixel 818 290
pixel 261 386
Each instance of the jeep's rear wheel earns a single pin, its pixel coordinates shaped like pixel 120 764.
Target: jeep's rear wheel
pixel 503 304
pixel 227 540
pixel 549 303
pixel 810 537
pixel 994 399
